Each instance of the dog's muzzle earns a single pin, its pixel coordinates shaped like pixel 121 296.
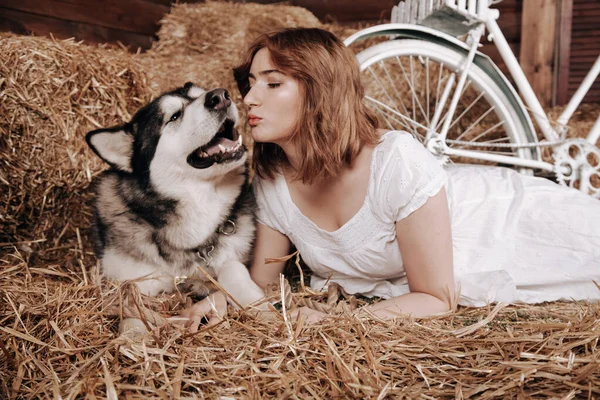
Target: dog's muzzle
pixel 226 145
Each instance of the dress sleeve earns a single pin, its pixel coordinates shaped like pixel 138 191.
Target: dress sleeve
pixel 406 176
pixel 270 209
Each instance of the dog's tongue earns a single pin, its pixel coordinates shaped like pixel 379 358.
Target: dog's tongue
pixel 227 144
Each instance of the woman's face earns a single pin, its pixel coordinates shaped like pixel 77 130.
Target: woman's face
pixel 274 101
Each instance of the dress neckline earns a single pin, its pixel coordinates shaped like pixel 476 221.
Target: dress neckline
pixel 361 210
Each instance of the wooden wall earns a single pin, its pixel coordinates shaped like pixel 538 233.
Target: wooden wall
pixel 135 23
pixel 132 22
pixel 585 46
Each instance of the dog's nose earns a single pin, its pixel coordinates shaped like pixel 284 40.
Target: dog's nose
pixel 217 99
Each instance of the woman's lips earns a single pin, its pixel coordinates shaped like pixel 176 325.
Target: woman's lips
pixel 253 120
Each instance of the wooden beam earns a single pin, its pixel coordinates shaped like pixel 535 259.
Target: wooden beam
pixel 27 23
pixel 342 10
pixel 563 51
pixel 137 16
pixel 537 46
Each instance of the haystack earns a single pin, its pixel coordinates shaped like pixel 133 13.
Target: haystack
pixel 52 92
pixel 201 43
pixel 58 326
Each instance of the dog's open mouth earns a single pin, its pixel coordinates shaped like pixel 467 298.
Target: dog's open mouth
pixel 225 146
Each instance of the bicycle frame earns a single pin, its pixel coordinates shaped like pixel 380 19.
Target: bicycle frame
pixel 532 102
pixel 437 140
pixel 529 96
pixel 437 20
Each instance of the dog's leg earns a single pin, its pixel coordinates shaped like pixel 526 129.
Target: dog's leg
pixel 234 277
pixel 121 267
pixel 150 282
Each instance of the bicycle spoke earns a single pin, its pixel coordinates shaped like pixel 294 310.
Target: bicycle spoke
pixel 441 121
pixel 386 115
pixel 427 82
pixel 476 138
pixel 475 123
pixel 386 93
pixel 437 94
pixel 465 111
pixel 412 89
pixel 410 84
pixel 392 127
pixel 395 89
pixel 503 139
pixel 396 113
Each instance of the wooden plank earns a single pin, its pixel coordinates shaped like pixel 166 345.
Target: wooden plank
pixel 537 46
pixel 343 10
pixel 585 46
pixel 563 51
pixel 586 34
pixel 26 23
pixel 510 19
pixel 138 16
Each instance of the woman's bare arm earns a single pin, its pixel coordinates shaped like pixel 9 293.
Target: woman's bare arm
pixel 425 242
pixel 270 243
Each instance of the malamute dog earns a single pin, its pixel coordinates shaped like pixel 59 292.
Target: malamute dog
pixel 176 196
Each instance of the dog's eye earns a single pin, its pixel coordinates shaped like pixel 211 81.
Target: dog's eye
pixel 175 116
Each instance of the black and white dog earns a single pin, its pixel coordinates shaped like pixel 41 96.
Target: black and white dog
pixel 176 196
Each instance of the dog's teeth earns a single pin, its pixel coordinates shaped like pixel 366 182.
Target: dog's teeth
pixel 240 140
pixel 204 154
pixel 223 149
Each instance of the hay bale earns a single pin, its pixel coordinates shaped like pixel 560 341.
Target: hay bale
pixel 51 93
pixel 58 339
pixel 201 43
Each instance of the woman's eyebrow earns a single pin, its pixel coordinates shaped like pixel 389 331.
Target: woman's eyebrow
pixel 266 72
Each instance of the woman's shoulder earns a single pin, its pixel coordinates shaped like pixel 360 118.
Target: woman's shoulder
pixel 405 175
pixel 397 146
pixel 392 139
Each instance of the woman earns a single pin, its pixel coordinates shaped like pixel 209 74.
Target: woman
pixel 373 210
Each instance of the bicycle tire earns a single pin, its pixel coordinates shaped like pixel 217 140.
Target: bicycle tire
pixel 480 86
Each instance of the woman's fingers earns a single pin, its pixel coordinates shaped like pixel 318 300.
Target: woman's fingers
pixel 213 307
pixel 194 324
pixel 214 320
pixel 311 316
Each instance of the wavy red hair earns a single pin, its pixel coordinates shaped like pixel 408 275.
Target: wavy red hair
pixel 334 123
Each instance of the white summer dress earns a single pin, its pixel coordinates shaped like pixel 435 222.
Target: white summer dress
pixel 516 238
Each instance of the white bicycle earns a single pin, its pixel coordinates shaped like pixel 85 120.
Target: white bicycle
pixel 457 102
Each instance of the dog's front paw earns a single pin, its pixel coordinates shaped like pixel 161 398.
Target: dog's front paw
pixel 196 287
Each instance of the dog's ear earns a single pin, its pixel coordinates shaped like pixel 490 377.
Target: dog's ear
pixel 113 145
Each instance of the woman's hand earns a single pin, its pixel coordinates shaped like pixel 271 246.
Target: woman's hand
pixel 213 308
pixel 312 316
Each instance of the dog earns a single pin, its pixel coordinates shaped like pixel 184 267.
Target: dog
pixel 176 197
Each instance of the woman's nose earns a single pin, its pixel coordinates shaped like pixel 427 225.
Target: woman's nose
pixel 251 98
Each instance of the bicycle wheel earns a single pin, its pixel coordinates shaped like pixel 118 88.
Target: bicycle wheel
pixel 404 80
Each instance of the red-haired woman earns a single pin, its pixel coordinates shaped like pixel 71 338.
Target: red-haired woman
pixel 375 212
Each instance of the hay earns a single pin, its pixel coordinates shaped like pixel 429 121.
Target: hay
pixel 201 43
pixel 59 325
pixel 58 337
pixel 52 92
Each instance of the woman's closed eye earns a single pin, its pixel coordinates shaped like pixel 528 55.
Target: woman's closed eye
pixel 274 85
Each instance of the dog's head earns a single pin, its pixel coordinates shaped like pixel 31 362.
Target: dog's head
pixel 186 133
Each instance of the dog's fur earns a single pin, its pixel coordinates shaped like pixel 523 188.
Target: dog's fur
pixel 172 201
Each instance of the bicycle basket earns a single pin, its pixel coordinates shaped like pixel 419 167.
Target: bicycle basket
pixel 453 17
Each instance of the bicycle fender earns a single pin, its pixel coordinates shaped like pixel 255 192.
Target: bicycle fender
pixel 411 31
